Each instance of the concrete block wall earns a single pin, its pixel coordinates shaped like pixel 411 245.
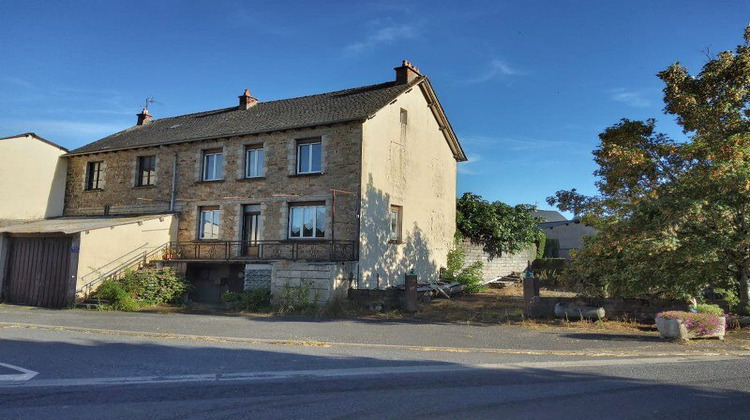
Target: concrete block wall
pixel 498 266
pixel 327 281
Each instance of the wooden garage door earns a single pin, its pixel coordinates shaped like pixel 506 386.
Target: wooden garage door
pixel 38 271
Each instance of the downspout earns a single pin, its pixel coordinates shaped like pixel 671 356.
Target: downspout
pixel 173 195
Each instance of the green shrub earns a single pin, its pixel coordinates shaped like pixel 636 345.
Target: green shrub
pixel 551 248
pixel 541 245
pixel 470 277
pixel 549 270
pixel 254 300
pixel 707 308
pixel 119 298
pixel 297 299
pixel 155 286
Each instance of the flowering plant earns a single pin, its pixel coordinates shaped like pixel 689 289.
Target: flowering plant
pixel 697 323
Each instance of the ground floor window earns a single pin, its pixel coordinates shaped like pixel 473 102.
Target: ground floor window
pixel 210 221
pixel 395 224
pixel 307 221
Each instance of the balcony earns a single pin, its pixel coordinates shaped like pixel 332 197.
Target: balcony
pixel 240 251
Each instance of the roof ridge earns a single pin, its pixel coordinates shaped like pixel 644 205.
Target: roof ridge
pixel 272 101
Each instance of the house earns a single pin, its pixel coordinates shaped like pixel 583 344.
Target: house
pixel 352 188
pixel 33 171
pixel 567 235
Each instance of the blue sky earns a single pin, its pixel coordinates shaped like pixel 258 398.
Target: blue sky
pixel 526 85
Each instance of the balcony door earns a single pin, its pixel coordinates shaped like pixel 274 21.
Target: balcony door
pixel 250 230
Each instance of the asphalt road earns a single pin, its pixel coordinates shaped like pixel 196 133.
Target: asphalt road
pixel 48 372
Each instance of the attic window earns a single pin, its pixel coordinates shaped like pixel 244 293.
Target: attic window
pixel 175 126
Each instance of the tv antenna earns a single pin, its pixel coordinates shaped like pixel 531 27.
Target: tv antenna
pixel 149 100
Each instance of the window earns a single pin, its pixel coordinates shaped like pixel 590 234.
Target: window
pixel 213 163
pixel 308 221
pixel 146 172
pixel 254 162
pixel 94 176
pixel 394 217
pixel 404 116
pixel 210 221
pixel 309 156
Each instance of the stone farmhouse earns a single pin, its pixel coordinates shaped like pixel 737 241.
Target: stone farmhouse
pixel 345 189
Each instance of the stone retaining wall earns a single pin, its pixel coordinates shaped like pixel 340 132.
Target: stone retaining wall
pixel 327 281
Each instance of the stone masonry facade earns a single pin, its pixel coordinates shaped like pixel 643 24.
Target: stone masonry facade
pixel 274 192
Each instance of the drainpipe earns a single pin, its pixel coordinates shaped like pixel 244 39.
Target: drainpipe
pixel 173 196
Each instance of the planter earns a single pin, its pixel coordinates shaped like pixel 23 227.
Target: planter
pixel 677 329
pixel 576 312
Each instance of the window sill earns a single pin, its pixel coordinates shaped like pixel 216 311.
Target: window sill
pixel 144 187
pixel 252 178
pixel 93 189
pixel 398 242
pixel 306 174
pixel 211 181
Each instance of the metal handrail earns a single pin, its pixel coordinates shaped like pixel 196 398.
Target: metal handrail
pixel 138 261
pixel 305 250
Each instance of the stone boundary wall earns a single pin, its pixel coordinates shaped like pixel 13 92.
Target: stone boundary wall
pixel 637 309
pixel 328 281
pixel 499 266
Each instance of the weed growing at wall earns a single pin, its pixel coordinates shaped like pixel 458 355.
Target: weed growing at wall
pixel 470 276
pixel 253 300
pixel 297 300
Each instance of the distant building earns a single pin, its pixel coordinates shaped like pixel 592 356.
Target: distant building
pixel 568 234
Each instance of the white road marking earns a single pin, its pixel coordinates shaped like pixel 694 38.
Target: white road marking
pixel 25 374
pixel 355 372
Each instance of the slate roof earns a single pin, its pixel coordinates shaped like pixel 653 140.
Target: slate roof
pixel 549 216
pixel 325 108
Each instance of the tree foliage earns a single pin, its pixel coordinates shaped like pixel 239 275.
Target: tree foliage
pixel 498 227
pixel 674 215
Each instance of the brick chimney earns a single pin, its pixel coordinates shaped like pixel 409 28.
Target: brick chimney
pixel 406 72
pixel 247 101
pixel 144 117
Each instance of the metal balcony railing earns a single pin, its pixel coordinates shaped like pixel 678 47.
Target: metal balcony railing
pixel 299 250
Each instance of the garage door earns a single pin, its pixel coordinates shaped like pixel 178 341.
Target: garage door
pixel 38 271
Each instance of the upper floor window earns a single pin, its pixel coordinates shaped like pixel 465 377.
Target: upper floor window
pixel 404 117
pixel 307 221
pixel 254 162
pixel 94 175
pixel 213 164
pixel 146 172
pixel 209 223
pixel 309 157
pixel 395 224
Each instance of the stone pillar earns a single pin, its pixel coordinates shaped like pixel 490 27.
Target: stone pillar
pixel 410 297
pixel 530 291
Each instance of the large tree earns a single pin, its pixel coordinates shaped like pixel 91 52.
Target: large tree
pixel 674 216
pixel 498 227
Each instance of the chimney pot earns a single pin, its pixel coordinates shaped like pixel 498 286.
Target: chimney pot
pixel 247 101
pixel 407 72
pixel 144 117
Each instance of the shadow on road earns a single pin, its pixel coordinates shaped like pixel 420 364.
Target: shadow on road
pixel 473 391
